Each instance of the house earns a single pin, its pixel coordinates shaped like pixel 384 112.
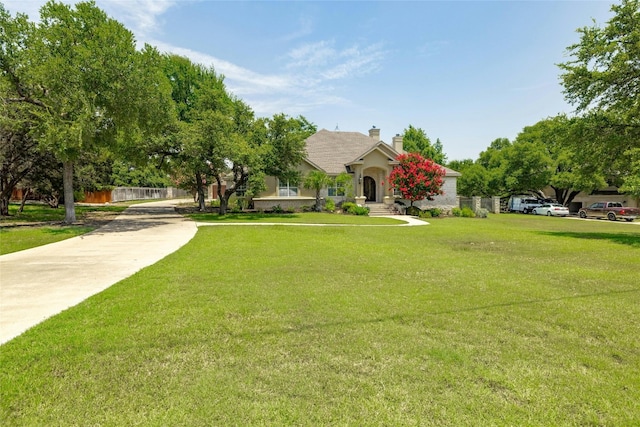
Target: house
pixel 366 158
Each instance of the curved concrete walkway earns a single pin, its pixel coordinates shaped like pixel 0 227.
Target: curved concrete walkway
pixel 38 283
pixel 409 221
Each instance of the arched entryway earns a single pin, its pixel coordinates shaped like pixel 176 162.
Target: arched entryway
pixel 369 188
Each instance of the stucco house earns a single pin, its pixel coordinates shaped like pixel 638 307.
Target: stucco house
pixel 366 158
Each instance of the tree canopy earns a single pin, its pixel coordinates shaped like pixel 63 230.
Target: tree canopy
pixel 604 70
pixel 84 81
pixel 602 79
pixel 415 140
pixel 316 180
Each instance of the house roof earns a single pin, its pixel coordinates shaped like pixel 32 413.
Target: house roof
pixel 333 150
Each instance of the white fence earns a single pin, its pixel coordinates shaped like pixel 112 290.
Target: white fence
pixel 121 194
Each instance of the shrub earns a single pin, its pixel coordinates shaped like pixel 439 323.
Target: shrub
pixel 359 210
pixel 353 209
pixel 348 205
pixel 456 212
pixel 215 203
pixel 425 214
pixel 78 195
pixel 277 209
pixel 468 213
pixel 329 205
pixel 482 213
pixel 435 212
pixel 413 211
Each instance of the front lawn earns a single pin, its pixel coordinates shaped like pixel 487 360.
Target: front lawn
pixel 511 320
pixel 44 213
pixel 297 218
pixel 40 224
pixel 13 239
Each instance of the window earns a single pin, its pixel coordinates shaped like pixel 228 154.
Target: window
pixel 334 190
pixel 241 190
pixel 287 189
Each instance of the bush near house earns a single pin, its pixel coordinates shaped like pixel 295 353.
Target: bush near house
pixel 353 209
pixel 430 213
pixel 329 205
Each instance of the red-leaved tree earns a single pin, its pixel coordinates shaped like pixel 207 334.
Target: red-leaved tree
pixel 417 178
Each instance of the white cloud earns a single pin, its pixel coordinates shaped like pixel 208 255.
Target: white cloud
pixel 309 73
pixel 29 7
pixel 323 60
pixel 311 55
pixel 433 48
pixel 140 16
pixel 306 28
pixel 306 82
pixel 356 62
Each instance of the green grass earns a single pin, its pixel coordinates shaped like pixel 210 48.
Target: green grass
pixel 511 320
pixel 13 239
pixel 298 218
pixel 44 230
pixel 44 213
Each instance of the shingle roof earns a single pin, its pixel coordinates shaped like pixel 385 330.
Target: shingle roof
pixel 331 150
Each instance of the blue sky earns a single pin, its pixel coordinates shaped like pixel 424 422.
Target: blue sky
pixel 466 72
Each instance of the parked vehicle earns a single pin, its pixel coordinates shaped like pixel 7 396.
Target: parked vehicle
pixel 610 210
pixel 551 209
pixel 523 204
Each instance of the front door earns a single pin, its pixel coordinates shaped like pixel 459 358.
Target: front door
pixel 369 189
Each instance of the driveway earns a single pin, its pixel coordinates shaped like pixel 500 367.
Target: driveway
pixel 38 283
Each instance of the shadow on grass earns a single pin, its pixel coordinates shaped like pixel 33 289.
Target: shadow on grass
pixel 409 318
pixel 44 213
pixel 630 239
pixel 66 230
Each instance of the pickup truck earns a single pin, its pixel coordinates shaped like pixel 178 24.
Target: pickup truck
pixel 609 210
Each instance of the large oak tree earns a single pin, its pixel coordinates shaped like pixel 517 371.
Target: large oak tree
pixel 88 84
pixel 602 79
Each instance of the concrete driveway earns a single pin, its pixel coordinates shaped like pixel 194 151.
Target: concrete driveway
pixel 38 283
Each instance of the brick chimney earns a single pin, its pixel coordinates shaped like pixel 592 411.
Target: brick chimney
pixel 397 143
pixel 374 134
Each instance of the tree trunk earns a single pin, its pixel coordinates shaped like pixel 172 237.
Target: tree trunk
pixel 570 198
pixel 25 194
pixel 4 205
pixel 67 182
pixel 565 196
pixel 224 202
pixel 5 194
pixel 318 207
pixel 201 204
